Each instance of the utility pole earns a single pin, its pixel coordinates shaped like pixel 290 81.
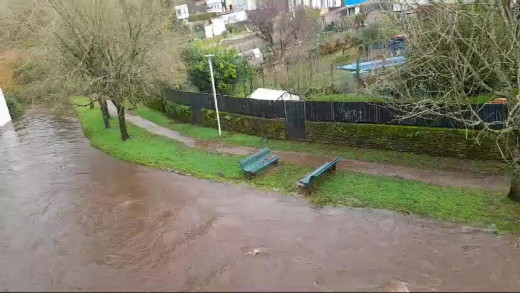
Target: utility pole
pixel 214 93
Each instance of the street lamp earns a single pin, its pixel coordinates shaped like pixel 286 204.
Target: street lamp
pixel 214 93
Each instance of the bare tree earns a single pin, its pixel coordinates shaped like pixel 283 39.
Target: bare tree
pixel 108 49
pixel 455 52
pixel 285 33
pixel 107 45
pixel 264 20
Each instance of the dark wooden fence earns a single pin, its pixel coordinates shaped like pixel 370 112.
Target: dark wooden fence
pixel 353 112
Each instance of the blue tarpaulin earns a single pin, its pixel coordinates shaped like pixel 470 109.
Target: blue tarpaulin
pixel 374 64
pixel 354 2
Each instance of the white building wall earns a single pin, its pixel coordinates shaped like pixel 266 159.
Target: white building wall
pixel 316 4
pixel 216 6
pixel 234 17
pixel 182 11
pixel 244 5
pixel 4 112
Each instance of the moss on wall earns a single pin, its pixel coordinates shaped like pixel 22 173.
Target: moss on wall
pixel 269 128
pixel 178 112
pixel 424 140
pixel 157 104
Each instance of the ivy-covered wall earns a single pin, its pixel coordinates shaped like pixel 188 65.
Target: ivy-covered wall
pixel 266 127
pixel 433 141
pixel 178 112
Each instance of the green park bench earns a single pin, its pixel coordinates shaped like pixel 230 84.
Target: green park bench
pixel 257 162
pixel 309 179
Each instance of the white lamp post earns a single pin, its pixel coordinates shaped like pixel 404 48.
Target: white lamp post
pixel 214 93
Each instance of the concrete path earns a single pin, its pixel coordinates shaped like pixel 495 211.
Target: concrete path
pixel 458 179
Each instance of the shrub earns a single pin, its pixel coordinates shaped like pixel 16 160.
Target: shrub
pixel 16 108
pixel 202 17
pixel 228 68
pixel 178 112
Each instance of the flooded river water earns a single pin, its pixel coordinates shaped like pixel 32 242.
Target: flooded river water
pixel 73 218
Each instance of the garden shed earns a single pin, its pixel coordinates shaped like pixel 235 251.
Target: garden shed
pixel 274 95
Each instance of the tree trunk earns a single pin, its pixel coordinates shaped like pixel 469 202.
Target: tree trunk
pixel 122 121
pixel 104 111
pixel 514 192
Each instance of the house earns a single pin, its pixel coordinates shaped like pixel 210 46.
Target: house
pixel 316 4
pixel 354 6
pixel 182 11
pixel 234 17
pixel 216 28
pixel 216 5
pixel 244 5
pixel 253 57
pixel 196 7
pixel 274 95
pixel 280 6
pixel 229 5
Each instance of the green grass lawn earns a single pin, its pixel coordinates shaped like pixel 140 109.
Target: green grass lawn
pixel 474 207
pixel 370 155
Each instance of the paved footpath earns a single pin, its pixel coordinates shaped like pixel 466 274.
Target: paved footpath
pixel 458 179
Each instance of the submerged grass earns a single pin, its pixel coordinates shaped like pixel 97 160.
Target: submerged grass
pixel 475 207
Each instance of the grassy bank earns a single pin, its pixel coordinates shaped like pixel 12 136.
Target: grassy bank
pixel 370 155
pixel 474 207
pixel 15 106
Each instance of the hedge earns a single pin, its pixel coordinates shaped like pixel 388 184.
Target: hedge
pixel 179 112
pixel 424 140
pixel 202 17
pixel 266 127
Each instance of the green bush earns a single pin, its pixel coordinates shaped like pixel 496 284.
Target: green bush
pixel 265 127
pixel 228 69
pixel 178 112
pixel 423 140
pixel 16 108
pixel 156 104
pixel 202 17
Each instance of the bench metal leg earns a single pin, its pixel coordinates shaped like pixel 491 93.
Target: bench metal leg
pixel 250 175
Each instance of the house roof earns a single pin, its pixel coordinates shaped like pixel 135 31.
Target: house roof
pixel 268 94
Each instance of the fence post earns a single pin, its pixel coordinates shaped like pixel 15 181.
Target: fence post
pixel 295 119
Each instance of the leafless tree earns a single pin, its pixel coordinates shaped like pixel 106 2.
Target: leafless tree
pixel 285 33
pixel 107 49
pixel 264 21
pixel 454 52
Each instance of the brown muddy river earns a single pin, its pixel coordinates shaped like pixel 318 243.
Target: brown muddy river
pixel 73 218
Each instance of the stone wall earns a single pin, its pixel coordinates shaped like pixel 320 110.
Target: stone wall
pixel 424 140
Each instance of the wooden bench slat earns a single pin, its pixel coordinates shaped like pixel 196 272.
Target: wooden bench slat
pixel 308 180
pixel 259 161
